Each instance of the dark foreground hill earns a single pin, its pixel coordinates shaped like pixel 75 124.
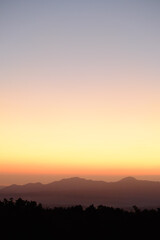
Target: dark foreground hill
pixel 29 221
pixel 74 191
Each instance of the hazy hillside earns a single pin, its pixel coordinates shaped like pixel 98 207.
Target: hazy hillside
pixel 72 191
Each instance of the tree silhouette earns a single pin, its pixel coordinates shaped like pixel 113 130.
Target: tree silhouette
pixel 21 219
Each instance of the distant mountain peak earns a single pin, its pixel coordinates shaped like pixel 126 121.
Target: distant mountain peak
pixel 73 179
pixel 128 179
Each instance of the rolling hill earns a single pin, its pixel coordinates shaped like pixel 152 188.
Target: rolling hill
pixel 74 191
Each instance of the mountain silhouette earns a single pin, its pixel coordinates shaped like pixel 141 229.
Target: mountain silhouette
pixel 128 179
pixel 73 191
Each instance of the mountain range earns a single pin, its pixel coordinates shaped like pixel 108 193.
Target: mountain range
pixel 74 191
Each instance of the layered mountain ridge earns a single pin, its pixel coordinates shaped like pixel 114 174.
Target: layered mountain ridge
pixel 73 191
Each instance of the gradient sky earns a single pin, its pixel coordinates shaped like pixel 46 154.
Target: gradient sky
pixel 79 87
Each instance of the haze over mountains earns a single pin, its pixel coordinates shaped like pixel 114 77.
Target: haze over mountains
pixel 74 191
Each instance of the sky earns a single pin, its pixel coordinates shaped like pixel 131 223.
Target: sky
pixel 79 88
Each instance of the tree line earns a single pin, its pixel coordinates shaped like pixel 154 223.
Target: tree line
pixel 27 220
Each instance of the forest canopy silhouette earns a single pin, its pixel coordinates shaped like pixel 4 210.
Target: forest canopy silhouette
pixel 22 219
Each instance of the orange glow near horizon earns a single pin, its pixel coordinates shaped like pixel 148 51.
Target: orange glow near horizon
pixel 114 133
pixel 75 171
pixel 80 88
